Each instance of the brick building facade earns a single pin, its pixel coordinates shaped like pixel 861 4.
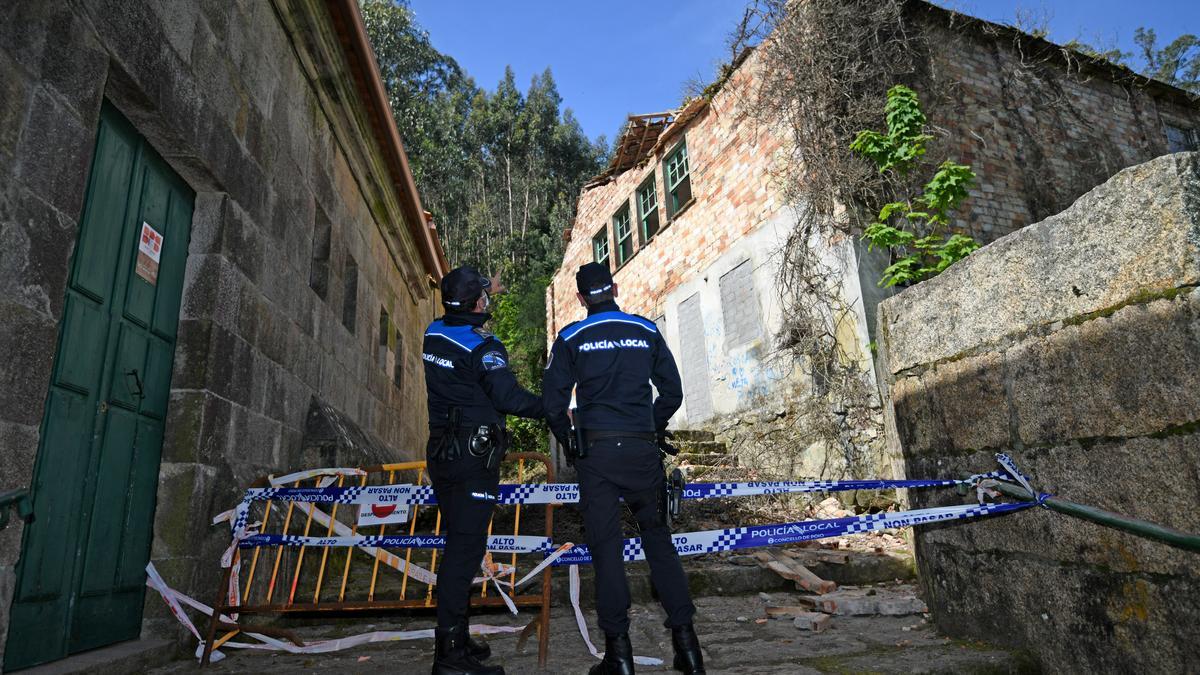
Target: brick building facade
pixel 295 274
pixel 1040 125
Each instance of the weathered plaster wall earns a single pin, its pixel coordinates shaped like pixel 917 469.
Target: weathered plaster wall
pixel 252 104
pixel 1073 345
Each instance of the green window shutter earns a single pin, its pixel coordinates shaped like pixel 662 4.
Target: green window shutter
pixel 647 199
pixel 624 235
pixel 678 179
pixel 600 246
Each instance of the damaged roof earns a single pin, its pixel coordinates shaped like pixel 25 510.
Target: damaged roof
pixel 647 133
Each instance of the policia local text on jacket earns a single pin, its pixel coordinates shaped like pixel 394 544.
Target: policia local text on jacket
pixel 611 358
pixel 470 388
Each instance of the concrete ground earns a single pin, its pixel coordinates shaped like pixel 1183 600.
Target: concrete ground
pixel 735 636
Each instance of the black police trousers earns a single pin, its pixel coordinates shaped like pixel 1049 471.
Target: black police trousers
pixel 630 469
pixel 466 492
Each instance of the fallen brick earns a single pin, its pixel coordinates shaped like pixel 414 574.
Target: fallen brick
pixel 814 621
pixel 849 605
pixel 790 610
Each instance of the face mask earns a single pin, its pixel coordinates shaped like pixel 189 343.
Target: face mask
pixel 487 301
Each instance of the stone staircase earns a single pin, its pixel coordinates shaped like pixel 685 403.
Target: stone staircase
pixel 700 453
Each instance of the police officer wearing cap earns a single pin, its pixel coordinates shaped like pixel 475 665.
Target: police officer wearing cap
pixel 611 358
pixel 470 389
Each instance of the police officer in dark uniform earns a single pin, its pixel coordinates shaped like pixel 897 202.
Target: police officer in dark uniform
pixel 611 358
pixel 470 389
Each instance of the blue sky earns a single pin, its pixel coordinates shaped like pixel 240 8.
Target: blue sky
pixel 615 57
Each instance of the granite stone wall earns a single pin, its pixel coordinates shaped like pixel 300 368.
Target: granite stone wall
pixel 253 104
pixel 1074 346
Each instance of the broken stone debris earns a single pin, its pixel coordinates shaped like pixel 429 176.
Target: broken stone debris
pixel 813 621
pixel 791 569
pixel 814 612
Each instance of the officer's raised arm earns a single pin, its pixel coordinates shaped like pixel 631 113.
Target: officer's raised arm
pixel 556 391
pixel 665 377
pixel 501 386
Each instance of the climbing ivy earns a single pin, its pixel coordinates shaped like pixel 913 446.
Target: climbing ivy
pixel 914 229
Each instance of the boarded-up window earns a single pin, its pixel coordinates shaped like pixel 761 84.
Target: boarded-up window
pixel 694 360
pixel 739 306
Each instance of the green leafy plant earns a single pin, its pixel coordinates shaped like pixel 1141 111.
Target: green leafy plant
pixel 914 229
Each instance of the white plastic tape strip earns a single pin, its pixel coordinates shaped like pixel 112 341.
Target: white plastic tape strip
pixel 313 473
pixel 173 598
pixel 583 629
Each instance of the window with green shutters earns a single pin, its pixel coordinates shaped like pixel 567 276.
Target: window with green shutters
pixel 600 246
pixel 624 234
pixel 647 200
pixel 679 182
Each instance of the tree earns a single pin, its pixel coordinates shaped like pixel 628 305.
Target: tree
pixel 913 229
pixel 1178 63
pixel 500 171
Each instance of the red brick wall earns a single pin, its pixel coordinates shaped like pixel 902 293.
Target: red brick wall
pixel 729 162
pixel 1038 131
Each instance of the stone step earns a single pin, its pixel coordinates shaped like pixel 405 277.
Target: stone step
pixel 708 447
pixel 707 459
pixel 692 435
pixel 716 576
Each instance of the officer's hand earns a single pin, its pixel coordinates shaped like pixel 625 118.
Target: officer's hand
pixel 664 444
pixel 496 288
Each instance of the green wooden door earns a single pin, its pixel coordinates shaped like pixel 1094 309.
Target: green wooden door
pixel 81 575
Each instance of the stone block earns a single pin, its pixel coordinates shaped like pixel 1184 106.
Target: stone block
pixel 75 64
pixel 1133 373
pixel 1136 477
pixel 14 103
pixel 55 153
pixel 36 242
pixel 1091 617
pixel 192 356
pixel 1134 234
pixel 175 515
pixel 28 342
pixel 184 426
pixel 956 406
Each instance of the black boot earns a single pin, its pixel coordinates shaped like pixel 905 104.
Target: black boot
pixel 477 648
pixel 451 656
pixel 687 650
pixel 618 656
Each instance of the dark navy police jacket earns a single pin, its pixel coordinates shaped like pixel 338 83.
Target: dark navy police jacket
pixel 466 366
pixel 611 358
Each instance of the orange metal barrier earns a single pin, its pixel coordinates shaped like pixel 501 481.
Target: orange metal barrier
pixel 343 580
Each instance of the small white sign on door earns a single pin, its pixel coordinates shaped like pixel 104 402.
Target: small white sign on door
pixel 149 253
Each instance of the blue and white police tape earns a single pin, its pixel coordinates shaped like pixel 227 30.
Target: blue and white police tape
pixel 568 493
pixel 712 541
pixel 521 543
pixel 688 543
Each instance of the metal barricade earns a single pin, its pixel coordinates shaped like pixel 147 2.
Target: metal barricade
pixel 320 580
